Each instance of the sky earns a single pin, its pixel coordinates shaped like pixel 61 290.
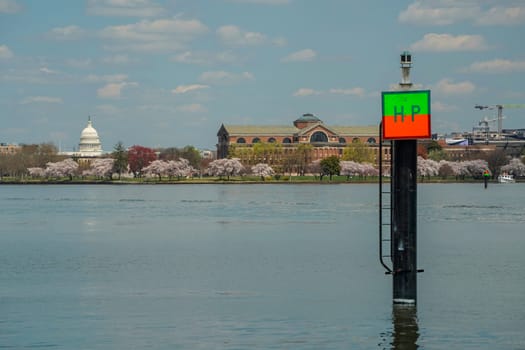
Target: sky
pixel 168 73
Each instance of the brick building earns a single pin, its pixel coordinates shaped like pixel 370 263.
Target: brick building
pixel 308 129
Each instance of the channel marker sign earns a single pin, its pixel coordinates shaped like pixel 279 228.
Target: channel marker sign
pixel 406 114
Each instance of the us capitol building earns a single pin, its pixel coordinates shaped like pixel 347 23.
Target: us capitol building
pixel 89 146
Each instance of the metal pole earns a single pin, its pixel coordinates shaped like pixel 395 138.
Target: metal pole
pixel 500 120
pixel 404 221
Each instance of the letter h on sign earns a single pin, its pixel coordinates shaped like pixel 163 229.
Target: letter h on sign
pixel 415 110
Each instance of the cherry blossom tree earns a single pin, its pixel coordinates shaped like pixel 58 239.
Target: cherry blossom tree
pixel 180 168
pixel 67 167
pixel 36 172
pixel 102 168
pixel 156 168
pixel 427 167
pixel 447 168
pixel 368 169
pixel 172 168
pixel 515 167
pixel 225 167
pixel 262 170
pixel 351 168
pixel 475 168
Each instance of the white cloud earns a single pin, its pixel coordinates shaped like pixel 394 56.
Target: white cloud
pixel 5 52
pixel 113 78
pixel 306 55
pixel 72 32
pixel 502 16
pixel 438 13
pixel 280 42
pixel 41 99
pixel 192 108
pixel 306 92
pixel 233 36
pixel 222 77
pixel 46 70
pixel 128 8
pixel 9 6
pixel 448 87
pixel 446 43
pixel 497 66
pixel 182 89
pixel 114 90
pixel 447 12
pixel 357 91
pixel 153 35
pixel 204 58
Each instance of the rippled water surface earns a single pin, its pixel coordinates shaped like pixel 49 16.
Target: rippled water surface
pixel 255 266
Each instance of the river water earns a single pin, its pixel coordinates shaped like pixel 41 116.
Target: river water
pixel 255 267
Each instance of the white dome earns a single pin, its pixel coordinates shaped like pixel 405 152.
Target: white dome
pixel 89 141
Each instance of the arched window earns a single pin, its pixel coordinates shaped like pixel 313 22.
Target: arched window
pixel 355 140
pixel 256 140
pixel 342 140
pixel 319 136
pixel 241 140
pixel 287 140
pixel 371 140
pixel 271 140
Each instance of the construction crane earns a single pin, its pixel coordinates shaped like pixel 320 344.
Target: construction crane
pixel 500 113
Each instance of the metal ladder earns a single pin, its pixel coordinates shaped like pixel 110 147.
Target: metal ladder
pixel 385 209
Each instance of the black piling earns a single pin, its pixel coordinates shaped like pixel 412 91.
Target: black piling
pixel 404 221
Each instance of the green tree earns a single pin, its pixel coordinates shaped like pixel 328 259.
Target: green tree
pixel 267 152
pixel 330 166
pixel 358 152
pixel 121 159
pixel 189 153
pixel 437 155
pixel 303 157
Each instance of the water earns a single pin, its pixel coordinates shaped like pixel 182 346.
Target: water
pixel 255 266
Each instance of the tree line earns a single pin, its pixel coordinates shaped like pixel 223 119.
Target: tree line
pixel 261 160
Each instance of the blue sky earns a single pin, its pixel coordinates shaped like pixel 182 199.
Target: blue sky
pixel 169 73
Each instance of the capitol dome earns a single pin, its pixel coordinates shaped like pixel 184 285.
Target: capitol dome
pixel 89 141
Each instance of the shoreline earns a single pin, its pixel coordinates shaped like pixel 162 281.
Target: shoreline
pixel 232 182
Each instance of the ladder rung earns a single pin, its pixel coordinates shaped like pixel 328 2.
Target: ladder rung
pixel 387 256
pixel 386 240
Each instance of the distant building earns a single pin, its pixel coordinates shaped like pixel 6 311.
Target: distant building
pixel 89 146
pixel 307 129
pixel 7 148
pixel 207 154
